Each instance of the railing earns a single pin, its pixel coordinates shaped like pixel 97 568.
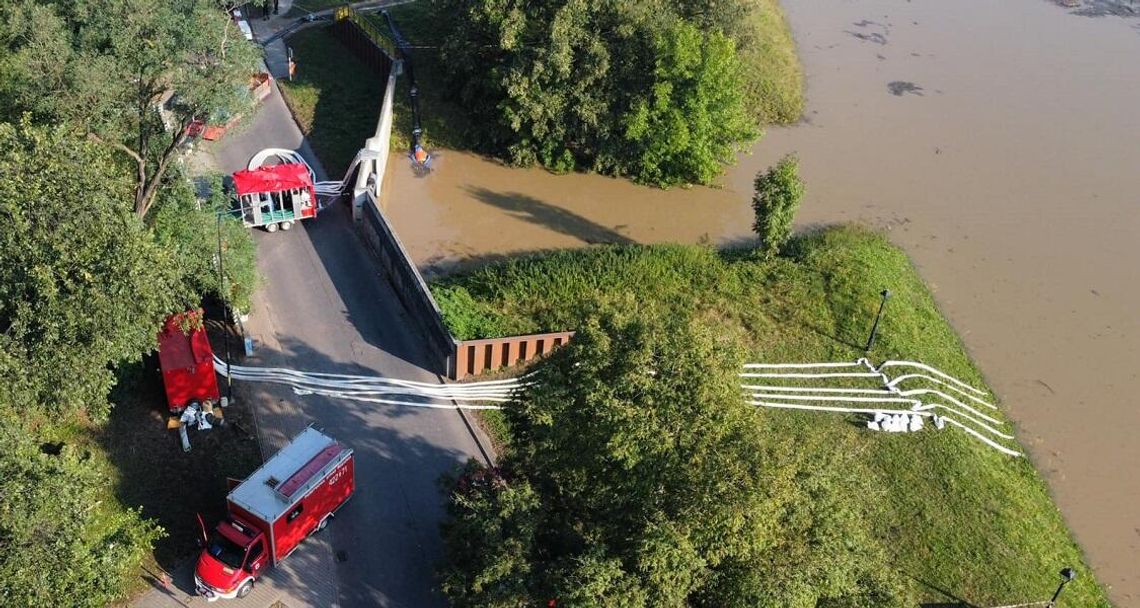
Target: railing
pixel 476 357
pixel 346 13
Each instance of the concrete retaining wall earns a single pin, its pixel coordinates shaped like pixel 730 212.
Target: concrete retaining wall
pixel 407 281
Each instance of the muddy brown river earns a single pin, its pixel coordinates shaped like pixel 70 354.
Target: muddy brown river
pixel 997 142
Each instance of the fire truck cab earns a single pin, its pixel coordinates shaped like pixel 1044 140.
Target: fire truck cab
pixel 293 495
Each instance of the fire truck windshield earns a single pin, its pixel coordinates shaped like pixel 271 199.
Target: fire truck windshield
pixel 225 550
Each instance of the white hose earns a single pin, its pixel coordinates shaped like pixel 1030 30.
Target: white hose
pixel 322 188
pixel 848 410
pixel 916 406
pixel 858 363
pixel 820 375
pixel 374 389
pixel 482 395
pixel 927 368
pixel 809 398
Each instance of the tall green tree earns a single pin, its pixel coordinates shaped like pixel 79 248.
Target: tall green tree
pixel 192 229
pixel 82 285
pixel 693 120
pixel 604 86
pixel 132 74
pixel 637 476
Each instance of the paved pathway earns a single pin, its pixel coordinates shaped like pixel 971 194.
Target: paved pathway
pixel 325 307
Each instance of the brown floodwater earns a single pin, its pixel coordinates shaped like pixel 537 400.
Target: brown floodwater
pixel 997 142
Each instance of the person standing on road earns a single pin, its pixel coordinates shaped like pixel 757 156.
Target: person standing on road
pixel 276 7
pixel 265 8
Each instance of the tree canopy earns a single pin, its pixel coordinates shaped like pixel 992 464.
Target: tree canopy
pixel 647 89
pixel 637 476
pixel 103 237
pixel 132 73
pixel 82 285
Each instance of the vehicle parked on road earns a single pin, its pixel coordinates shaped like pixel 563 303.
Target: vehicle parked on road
pixel 274 196
pixel 292 496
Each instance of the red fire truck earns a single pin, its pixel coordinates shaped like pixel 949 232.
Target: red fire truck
pixel 291 496
pixel 274 196
pixel 187 361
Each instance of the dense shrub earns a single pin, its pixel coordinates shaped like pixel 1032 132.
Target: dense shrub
pixel 189 229
pixel 779 191
pixel 83 286
pixel 625 88
pixel 58 545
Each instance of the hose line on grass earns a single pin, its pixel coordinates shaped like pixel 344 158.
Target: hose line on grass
pixel 884 401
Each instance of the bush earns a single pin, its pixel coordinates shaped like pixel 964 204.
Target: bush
pixel 636 88
pixel 779 191
pixel 58 546
pixel 466 318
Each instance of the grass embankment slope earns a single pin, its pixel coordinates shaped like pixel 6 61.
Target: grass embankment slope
pixel 334 97
pixel 773 78
pixel 959 519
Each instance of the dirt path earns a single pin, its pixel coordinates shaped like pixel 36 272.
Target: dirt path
pixel 999 143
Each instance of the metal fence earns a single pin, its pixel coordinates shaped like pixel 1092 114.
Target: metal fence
pixel 358 33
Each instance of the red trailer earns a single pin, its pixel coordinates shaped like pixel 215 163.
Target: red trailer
pixel 291 496
pixel 274 196
pixel 187 361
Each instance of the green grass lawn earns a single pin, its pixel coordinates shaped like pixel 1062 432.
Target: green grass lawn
pixel 334 97
pixel 961 521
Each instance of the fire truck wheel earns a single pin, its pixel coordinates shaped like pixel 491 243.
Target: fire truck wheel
pixel 321 526
pixel 245 589
pixel 286 225
pixel 271 228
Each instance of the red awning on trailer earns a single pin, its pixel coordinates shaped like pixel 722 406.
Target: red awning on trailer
pixel 272 178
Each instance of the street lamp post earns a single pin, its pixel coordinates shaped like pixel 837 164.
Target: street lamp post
pixel 886 295
pixel 225 314
pixel 1067 575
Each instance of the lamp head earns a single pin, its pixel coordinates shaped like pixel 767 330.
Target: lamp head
pixel 886 293
pixel 1068 574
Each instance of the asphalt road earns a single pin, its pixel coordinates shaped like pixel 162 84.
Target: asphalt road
pixel 324 306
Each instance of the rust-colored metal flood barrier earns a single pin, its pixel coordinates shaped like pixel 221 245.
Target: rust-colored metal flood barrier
pixel 475 357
